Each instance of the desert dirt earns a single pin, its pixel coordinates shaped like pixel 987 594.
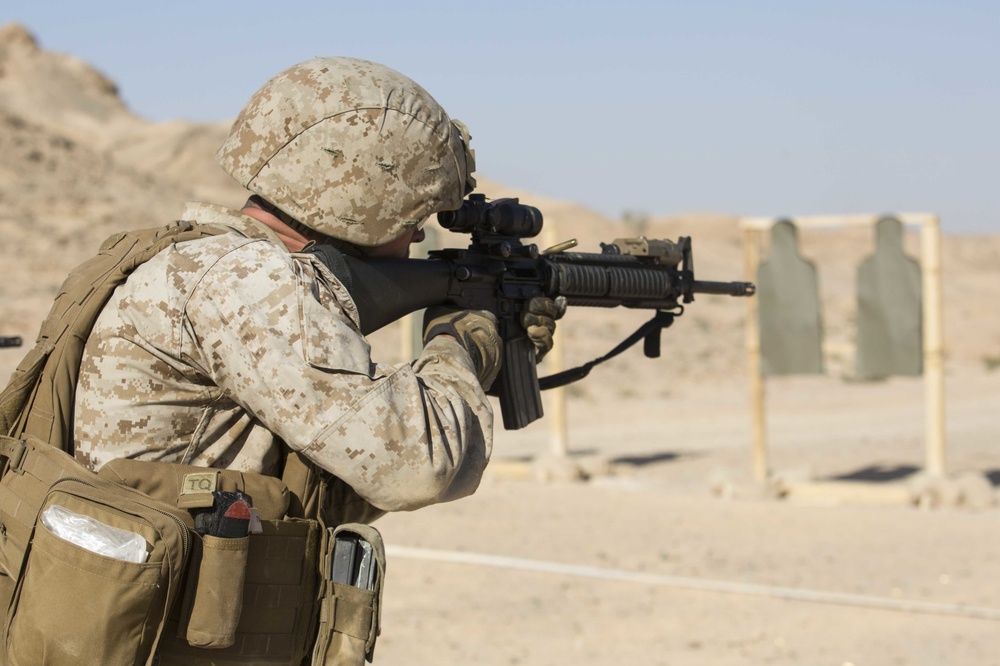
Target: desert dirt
pixel 650 543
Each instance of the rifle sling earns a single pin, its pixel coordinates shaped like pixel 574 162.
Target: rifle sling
pixel 651 328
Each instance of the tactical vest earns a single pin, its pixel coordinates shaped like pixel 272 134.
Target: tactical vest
pixel 265 598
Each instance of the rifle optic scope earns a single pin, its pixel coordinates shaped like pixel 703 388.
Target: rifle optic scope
pixel 504 217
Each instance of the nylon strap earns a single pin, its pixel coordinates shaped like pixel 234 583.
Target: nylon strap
pixel 650 331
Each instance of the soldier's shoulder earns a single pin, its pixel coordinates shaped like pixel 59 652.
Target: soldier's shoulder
pixel 178 271
pixel 227 247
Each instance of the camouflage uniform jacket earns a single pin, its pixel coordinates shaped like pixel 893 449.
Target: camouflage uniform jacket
pixel 217 350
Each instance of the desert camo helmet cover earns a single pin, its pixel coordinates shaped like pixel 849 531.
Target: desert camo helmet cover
pixel 351 149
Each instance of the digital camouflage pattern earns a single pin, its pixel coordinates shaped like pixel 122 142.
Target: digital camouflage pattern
pixel 217 349
pixel 476 330
pixel 350 148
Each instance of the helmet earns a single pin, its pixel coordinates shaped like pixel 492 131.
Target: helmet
pixel 351 149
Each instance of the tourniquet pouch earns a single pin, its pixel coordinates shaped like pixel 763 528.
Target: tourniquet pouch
pixel 277 606
pixel 350 612
pixel 100 568
pixel 217 591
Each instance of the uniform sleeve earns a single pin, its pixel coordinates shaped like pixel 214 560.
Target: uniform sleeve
pixel 271 330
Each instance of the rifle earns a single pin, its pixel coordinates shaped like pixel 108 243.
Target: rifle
pixel 499 273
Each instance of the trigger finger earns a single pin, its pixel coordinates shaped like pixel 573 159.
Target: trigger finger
pixel 541 337
pixel 529 321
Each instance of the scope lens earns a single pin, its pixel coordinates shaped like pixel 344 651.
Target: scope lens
pixel 518 220
pixel 447 218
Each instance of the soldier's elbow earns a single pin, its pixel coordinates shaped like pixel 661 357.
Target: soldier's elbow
pixel 430 485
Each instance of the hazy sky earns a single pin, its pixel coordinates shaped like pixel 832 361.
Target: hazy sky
pixel 756 108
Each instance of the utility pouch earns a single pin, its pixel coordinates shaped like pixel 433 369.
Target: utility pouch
pixel 101 566
pixel 350 611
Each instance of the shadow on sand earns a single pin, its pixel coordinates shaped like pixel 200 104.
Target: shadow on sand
pixel 878 473
pixel 648 459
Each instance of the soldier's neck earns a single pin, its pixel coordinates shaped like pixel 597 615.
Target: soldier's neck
pixel 292 239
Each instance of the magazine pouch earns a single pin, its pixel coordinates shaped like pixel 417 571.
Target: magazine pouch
pixel 353 571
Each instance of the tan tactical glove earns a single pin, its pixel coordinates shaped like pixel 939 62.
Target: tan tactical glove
pixel 476 330
pixel 539 319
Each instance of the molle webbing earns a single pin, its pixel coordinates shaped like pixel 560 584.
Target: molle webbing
pixel 39 399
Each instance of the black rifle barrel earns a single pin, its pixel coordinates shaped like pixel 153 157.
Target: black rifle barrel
pixel 724 288
pixel 615 283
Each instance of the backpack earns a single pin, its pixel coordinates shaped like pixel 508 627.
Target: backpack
pixel 40 397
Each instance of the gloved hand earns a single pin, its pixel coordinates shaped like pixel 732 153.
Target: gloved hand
pixel 476 330
pixel 539 319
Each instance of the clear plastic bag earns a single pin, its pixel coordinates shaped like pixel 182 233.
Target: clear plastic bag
pixel 94 535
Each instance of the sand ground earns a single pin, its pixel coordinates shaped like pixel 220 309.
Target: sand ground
pixel 655 514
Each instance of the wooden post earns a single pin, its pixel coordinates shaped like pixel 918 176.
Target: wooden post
pixel 751 260
pixel 408 331
pixel 557 403
pixel 555 361
pixel 411 333
pixel 930 268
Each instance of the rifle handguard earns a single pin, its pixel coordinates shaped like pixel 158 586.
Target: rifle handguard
pixel 476 331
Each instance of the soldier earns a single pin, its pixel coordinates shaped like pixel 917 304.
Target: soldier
pixel 237 350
